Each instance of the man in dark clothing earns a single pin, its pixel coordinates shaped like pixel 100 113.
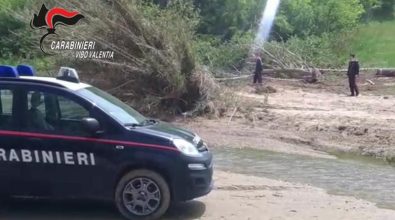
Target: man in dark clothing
pixel 258 70
pixel 353 73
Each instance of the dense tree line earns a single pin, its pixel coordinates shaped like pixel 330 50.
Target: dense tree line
pixel 315 17
pixel 223 23
pixel 297 17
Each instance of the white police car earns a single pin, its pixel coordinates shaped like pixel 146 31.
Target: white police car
pixel 63 139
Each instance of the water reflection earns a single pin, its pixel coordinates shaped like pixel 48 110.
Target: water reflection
pixel 374 182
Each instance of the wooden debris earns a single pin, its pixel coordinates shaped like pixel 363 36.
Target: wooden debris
pixel 233 114
pixel 386 72
pixel 370 82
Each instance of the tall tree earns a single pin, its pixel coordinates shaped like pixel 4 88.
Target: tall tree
pixel 385 10
pixel 369 6
pixel 337 15
pixel 225 18
pixel 315 17
pixel 10 44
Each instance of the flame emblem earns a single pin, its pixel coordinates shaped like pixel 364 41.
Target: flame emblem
pixel 49 19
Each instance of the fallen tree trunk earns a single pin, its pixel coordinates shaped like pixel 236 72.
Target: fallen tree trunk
pixel 386 72
pixel 289 73
pixel 362 69
pixel 313 73
pixel 286 71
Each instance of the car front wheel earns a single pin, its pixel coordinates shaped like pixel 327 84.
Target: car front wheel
pixel 142 195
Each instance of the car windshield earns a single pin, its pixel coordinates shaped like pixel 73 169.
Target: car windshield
pixel 113 106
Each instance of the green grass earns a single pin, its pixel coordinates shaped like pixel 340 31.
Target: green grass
pixel 374 44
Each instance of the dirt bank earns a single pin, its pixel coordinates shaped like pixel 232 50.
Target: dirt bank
pixel 235 196
pixel 307 119
pixel 245 197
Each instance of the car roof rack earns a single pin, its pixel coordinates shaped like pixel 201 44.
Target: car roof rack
pixel 68 74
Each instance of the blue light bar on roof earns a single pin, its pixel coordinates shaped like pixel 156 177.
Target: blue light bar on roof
pixel 26 70
pixel 8 71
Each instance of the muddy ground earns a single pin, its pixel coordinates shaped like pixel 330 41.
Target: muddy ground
pixel 309 118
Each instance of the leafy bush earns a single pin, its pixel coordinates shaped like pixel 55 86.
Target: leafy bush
pixel 224 56
pixel 155 68
pixel 324 51
pixel 18 43
pixel 15 38
pixel 384 10
pixel 315 17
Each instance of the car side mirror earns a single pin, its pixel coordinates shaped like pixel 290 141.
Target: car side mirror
pixel 92 125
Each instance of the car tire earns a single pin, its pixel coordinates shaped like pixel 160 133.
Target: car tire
pixel 142 195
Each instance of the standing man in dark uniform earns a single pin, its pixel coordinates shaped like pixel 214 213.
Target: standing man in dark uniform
pixel 353 73
pixel 258 70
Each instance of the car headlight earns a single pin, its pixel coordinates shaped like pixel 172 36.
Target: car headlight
pixel 186 147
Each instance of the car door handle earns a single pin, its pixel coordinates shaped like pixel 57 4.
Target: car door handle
pixel 119 147
pixel 34 140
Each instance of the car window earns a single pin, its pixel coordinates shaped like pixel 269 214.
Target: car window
pixel 6 97
pixel 55 114
pixel 113 106
pixel 71 110
pixel 6 101
pixel 41 106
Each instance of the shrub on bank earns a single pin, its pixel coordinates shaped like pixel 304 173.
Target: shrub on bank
pixel 154 67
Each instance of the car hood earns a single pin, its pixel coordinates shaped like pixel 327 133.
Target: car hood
pixel 168 131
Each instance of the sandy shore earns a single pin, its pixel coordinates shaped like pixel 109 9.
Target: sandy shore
pixel 235 197
pixel 241 134
pixel 245 197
